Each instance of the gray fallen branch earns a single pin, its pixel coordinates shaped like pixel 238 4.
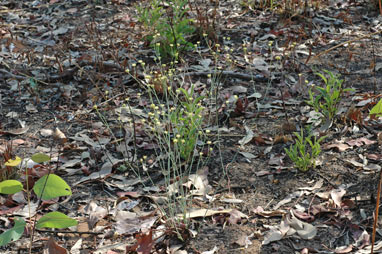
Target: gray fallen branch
pixel 67 74
pixel 68 232
pixel 4 74
pixel 229 74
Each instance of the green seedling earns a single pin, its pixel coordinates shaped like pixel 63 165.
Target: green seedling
pixel 167 28
pixel 184 121
pixel 47 187
pixel 187 121
pixel 305 151
pixel 326 99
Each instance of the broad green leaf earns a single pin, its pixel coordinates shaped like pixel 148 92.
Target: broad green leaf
pixel 13 163
pixel 55 220
pixel 377 109
pixel 55 187
pixel 14 233
pixel 10 187
pixel 40 158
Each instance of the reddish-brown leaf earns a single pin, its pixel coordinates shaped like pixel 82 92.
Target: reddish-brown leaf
pixel 241 106
pixel 145 242
pixel 53 248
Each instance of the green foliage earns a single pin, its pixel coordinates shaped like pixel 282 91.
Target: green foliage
pixel 325 99
pixel 174 123
pixel 304 152
pixel 167 28
pixel 51 186
pixel 55 220
pixel 47 187
pixel 186 121
pixel 10 187
pixel 377 109
pixel 40 158
pixel 14 233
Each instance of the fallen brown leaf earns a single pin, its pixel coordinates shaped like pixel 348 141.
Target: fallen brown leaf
pixel 53 248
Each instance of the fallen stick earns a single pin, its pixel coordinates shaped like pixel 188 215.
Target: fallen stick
pixel 226 74
pixel 346 42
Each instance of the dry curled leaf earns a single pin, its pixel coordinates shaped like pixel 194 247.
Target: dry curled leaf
pixel 288 127
pixel 241 106
pixel 337 195
pixel 360 142
pixel 59 136
pixel 53 248
pixel 282 139
pixel 341 147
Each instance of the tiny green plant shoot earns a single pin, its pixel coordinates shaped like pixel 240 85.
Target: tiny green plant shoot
pixel 305 151
pixel 48 187
pixel 325 99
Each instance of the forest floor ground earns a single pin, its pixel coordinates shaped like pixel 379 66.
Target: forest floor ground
pixel 60 59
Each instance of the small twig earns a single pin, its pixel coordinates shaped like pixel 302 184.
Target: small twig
pixel 374 64
pixel 326 179
pixel 347 42
pixel 227 74
pixel 7 74
pixel 102 64
pixel 4 74
pixel 68 232
pixel 284 106
pixel 134 134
